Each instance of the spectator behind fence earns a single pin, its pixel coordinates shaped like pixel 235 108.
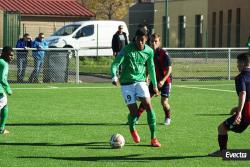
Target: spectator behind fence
pixel 119 40
pixel 38 56
pixel 144 27
pixel 22 55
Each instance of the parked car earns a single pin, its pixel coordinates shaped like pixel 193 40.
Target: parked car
pixel 90 38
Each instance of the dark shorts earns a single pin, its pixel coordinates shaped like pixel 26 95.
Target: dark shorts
pixel 245 121
pixel 229 123
pixel 165 90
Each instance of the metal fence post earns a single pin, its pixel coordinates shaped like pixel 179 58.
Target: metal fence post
pixel 77 67
pixel 229 63
pixel 97 43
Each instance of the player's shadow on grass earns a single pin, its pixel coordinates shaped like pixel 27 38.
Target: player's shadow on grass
pixel 95 144
pixel 212 115
pixel 72 124
pixel 88 145
pixel 133 157
pixel 64 124
pixel 98 147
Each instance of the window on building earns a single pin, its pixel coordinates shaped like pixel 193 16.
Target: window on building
pixel 229 27
pixel 214 29
pixel 220 28
pixel 238 15
pixel 181 34
pixel 198 30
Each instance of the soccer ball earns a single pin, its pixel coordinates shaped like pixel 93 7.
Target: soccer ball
pixel 117 141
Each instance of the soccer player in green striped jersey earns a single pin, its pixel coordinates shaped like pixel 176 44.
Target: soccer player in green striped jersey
pixel 133 59
pixel 6 57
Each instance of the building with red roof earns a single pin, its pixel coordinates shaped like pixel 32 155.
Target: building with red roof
pixel 34 16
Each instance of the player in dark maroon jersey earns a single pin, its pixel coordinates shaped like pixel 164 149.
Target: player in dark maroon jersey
pixel 163 69
pixel 241 118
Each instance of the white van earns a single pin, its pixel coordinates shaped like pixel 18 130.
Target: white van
pixel 87 36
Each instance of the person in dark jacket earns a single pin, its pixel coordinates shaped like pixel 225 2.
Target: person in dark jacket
pixel 22 55
pixel 119 40
pixel 144 26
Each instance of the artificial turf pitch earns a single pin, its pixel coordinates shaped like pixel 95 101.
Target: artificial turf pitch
pixel 71 124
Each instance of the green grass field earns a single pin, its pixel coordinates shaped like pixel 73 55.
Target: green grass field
pixel 70 125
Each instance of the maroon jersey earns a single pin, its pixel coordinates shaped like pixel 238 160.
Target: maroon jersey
pixel 162 62
pixel 242 83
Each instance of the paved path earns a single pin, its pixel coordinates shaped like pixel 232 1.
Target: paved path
pixel 87 78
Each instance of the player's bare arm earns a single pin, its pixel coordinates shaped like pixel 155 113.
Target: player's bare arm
pixel 115 81
pixel 157 93
pixel 242 99
pixel 161 83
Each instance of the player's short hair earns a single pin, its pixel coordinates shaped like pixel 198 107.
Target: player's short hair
pixel 244 58
pixel 141 32
pixel 26 35
pixel 142 26
pixel 7 49
pixel 155 35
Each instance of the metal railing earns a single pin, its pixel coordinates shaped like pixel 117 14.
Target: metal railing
pixel 59 65
pixel 63 65
pixel 204 63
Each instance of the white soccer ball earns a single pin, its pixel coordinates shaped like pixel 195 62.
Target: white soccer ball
pixel 117 141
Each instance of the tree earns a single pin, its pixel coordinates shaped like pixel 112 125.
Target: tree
pixel 108 9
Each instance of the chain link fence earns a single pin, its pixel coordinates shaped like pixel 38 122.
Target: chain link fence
pixel 57 66
pixel 65 66
pixel 205 63
pixel 188 63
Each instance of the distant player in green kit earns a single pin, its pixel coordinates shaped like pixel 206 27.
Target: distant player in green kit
pixel 133 59
pixel 6 57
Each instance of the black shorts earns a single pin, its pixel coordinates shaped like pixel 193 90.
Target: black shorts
pixel 165 90
pixel 237 128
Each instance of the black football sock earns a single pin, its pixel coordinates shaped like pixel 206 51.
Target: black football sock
pixel 222 140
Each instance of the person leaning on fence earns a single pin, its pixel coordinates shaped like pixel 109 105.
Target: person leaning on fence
pixel 40 44
pixel 6 57
pixel 22 55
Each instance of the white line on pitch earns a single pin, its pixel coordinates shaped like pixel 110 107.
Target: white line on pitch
pixel 53 87
pixel 193 87
pixel 208 85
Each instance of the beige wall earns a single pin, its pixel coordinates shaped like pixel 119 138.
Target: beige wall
pixel 188 8
pixel 225 5
pixel 159 12
pixel 47 25
pixel 1 28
